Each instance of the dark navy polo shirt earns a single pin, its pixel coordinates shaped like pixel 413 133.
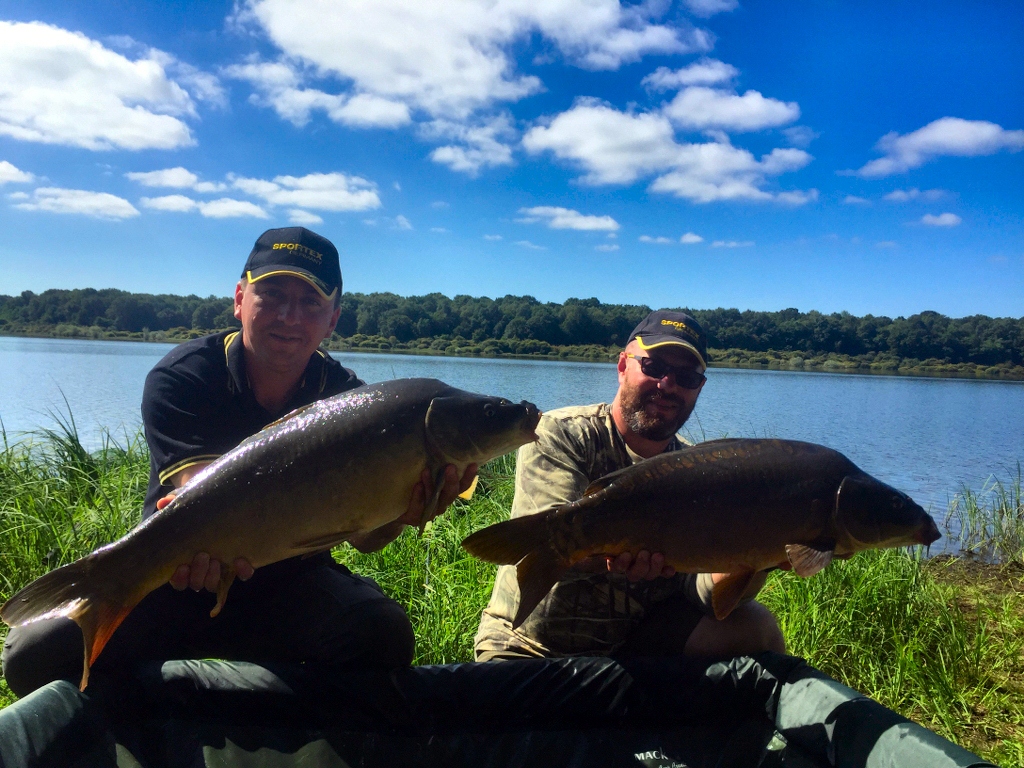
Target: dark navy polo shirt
pixel 197 404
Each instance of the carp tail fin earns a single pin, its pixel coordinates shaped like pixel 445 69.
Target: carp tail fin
pixel 508 542
pixel 76 591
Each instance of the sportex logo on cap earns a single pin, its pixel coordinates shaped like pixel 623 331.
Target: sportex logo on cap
pixel 680 326
pixel 302 250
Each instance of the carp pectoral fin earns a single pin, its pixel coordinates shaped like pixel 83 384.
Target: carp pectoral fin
pixel 468 493
pixel 318 544
pixel 227 578
pixel 728 592
pixel 807 561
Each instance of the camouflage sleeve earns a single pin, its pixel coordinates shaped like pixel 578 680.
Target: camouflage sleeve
pixel 551 471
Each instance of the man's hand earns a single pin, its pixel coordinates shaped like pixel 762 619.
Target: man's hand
pixel 644 567
pixel 415 514
pixel 203 572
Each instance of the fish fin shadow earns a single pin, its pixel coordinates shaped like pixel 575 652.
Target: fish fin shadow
pixel 807 561
pixel 536 573
pixel 727 593
pixel 322 543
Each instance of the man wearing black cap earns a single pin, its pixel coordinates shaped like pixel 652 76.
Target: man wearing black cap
pixel 632 605
pixel 200 401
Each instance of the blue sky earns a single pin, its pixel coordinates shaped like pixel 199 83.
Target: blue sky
pixel 855 156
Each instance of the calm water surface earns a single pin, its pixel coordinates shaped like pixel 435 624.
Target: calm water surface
pixel 925 436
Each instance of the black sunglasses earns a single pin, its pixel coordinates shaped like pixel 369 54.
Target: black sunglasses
pixel 687 378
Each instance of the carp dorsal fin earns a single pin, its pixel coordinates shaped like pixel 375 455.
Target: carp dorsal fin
pixel 806 560
pixel 603 482
pixel 727 593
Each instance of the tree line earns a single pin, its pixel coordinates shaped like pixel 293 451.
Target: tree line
pixel 978 339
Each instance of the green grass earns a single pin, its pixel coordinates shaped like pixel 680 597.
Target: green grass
pixel 940 641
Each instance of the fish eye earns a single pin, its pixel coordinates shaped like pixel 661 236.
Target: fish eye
pixel 489 410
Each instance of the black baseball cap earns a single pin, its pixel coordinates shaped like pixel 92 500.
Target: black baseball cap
pixel 297 252
pixel 665 327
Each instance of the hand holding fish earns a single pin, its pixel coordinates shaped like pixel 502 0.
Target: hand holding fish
pixel 646 566
pixel 203 572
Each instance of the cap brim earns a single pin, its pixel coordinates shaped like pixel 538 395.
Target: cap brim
pixel 272 271
pixel 654 342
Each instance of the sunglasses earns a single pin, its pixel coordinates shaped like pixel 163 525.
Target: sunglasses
pixel 687 378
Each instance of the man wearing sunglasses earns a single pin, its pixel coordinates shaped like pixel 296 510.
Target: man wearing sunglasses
pixel 633 604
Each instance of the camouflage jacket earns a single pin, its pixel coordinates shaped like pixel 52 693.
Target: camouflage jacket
pixel 585 614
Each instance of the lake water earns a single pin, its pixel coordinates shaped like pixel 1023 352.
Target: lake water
pixel 925 436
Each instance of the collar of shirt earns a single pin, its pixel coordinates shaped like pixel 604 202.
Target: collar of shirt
pixel 314 379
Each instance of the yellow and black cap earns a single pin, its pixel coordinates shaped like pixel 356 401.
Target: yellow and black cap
pixel 665 327
pixel 297 252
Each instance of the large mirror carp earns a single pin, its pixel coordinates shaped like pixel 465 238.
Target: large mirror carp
pixel 343 465
pixel 735 506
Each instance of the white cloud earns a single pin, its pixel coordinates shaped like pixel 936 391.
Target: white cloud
pixel 278 86
pixel 485 145
pixel 947 136
pixel 402 223
pixel 656 240
pixel 318 191
pixel 451 61
pixel 797 197
pixel 175 178
pixel 800 135
pixel 701 108
pixel 942 220
pixel 854 200
pixel 60 87
pixel 616 147
pixel 18 196
pixel 691 239
pixel 705 71
pixel 493 237
pixel 439 204
pixel 732 243
pixel 708 8
pixel 606 247
pixel 99 205
pixel 224 208
pixel 565 218
pixel 303 218
pixel 708 172
pixel 9 174
pixel 175 203
pixel 905 195
pixel 439 230
pixel 885 244
pixel 532 246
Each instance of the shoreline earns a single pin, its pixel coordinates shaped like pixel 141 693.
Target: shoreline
pixel 784 361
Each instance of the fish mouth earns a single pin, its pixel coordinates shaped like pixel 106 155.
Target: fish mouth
pixel 928 533
pixel 531 420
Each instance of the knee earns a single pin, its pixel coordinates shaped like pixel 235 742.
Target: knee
pixel 748 630
pixel 376 633
pixel 41 652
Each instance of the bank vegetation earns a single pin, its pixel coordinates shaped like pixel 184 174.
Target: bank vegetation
pixel 578 329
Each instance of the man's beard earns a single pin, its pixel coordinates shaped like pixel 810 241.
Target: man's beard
pixel 656 426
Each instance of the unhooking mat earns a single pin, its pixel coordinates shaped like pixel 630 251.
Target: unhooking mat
pixel 760 712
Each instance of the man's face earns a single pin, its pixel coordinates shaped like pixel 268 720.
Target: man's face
pixel 655 409
pixel 284 319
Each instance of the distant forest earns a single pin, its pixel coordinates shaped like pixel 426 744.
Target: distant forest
pixel 578 328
